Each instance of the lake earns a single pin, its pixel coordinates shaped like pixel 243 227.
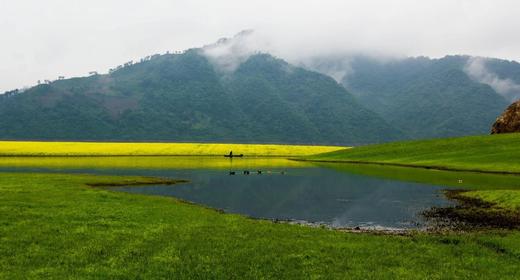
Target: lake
pixel 284 190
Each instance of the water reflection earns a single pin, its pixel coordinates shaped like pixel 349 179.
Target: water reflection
pixel 317 195
pixel 149 162
pixel 338 195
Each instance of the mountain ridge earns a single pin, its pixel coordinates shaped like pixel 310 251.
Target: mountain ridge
pixel 180 97
pixel 228 91
pixel 428 98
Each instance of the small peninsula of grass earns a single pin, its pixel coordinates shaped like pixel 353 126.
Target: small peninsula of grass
pixel 135 181
pixel 489 153
pixel 507 199
pixel 55 226
pixel 34 148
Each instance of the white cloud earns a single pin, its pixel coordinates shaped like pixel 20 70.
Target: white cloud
pixel 477 70
pixel 228 53
pixel 45 39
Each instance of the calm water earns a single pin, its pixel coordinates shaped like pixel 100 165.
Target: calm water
pixel 315 195
pixel 285 190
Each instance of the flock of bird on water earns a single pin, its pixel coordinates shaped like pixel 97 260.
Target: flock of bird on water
pixel 247 172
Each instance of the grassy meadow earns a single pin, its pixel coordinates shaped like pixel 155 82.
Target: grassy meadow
pixel 56 226
pixel 60 226
pixel 489 153
pixel 28 148
pixel 481 154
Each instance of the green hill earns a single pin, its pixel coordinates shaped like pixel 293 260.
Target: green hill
pixel 182 97
pixel 423 97
pixel 490 153
pixel 226 93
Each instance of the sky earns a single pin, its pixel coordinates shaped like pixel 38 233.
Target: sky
pixel 46 39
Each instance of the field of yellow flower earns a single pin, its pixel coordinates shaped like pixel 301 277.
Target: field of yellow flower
pixel 29 148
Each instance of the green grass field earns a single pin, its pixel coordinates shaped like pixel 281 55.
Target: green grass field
pixel 490 153
pixel 57 226
pixel 54 226
pixel 25 148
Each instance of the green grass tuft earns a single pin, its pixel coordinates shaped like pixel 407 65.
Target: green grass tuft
pixel 55 226
pixel 508 199
pixel 489 153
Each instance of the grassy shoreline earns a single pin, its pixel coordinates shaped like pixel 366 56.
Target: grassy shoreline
pixel 490 154
pixel 55 226
pixel 434 167
pixel 478 210
pixel 139 181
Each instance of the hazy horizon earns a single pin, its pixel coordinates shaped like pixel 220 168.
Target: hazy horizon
pixel 70 38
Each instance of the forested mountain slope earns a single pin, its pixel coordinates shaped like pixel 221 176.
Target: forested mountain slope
pixel 183 97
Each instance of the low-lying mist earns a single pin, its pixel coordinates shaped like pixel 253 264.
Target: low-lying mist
pixel 228 53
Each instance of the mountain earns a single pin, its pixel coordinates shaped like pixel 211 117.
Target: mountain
pixel 188 97
pixel 230 92
pixel 425 98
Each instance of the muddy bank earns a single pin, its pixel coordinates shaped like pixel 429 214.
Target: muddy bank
pixel 471 213
pixel 138 182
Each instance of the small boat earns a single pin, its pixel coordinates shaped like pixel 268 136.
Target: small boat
pixel 231 155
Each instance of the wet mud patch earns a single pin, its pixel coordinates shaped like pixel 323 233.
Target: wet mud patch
pixel 471 214
pixel 138 182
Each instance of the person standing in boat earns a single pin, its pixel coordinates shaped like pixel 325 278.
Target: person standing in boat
pixel 231 155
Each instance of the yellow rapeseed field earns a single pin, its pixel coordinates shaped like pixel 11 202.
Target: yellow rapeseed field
pixel 33 148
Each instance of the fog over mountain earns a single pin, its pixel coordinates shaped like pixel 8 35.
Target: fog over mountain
pixel 232 91
pixel 477 69
pixel 46 39
pixel 149 63
pixel 228 53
